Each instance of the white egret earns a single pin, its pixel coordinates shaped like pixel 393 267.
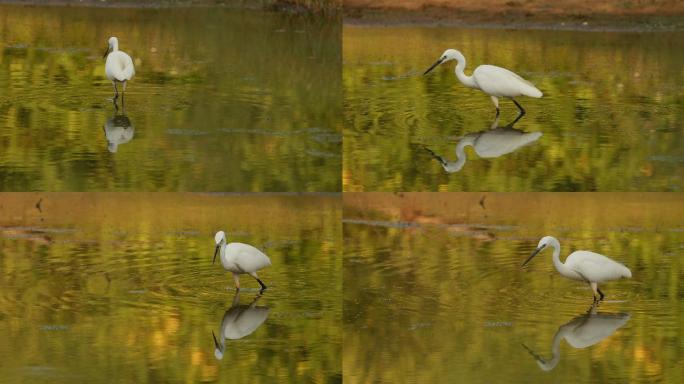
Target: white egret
pixel 118 67
pixel 239 321
pixel 586 266
pixel 488 144
pixel 118 130
pixel 581 332
pixel 240 258
pixel 490 79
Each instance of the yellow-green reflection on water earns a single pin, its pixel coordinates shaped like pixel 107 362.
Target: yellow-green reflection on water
pixel 434 292
pixel 121 288
pixel 610 118
pixel 222 100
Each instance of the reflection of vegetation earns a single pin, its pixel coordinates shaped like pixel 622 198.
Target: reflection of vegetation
pixel 438 294
pixel 120 287
pixel 611 113
pixel 222 100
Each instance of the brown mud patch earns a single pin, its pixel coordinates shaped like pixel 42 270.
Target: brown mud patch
pixel 545 14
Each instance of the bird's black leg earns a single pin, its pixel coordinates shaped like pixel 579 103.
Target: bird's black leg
pixel 263 286
pixel 520 115
pixel 600 293
pixel 123 96
pixel 522 110
pixel 116 95
pixel 497 111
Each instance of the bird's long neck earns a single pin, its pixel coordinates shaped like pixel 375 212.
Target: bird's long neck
pixel 455 166
pixel 560 267
pixel 550 364
pixel 115 46
pixel 468 81
pixel 222 251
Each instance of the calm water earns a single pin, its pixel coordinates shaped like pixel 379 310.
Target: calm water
pixel 610 119
pixel 120 288
pixel 221 101
pixel 438 294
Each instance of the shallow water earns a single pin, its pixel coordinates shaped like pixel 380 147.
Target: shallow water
pixel 121 288
pixel 610 118
pixel 438 294
pixel 221 101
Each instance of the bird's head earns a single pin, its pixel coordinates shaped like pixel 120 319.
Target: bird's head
pixel 112 45
pixel 448 55
pixel 543 243
pixel 218 351
pixel 545 365
pixel 219 238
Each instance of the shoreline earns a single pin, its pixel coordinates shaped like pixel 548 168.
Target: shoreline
pixel 358 13
pixel 301 7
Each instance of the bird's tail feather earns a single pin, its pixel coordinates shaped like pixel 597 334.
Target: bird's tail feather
pixel 532 91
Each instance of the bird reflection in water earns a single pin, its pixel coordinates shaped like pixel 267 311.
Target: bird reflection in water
pixel 494 142
pixel 239 321
pixel 118 130
pixel 581 332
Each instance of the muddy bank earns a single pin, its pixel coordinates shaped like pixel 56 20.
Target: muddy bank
pixel 547 14
pixel 288 6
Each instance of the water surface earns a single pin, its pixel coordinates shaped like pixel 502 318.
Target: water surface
pixel 434 292
pixel 120 288
pixel 222 100
pixel 610 119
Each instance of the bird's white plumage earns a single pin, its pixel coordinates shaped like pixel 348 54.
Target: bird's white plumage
pixel 587 330
pixel 500 82
pixel 119 65
pixel 595 267
pixel 118 130
pixel 492 80
pixel 240 258
pixel 585 266
pixel 491 143
pixel 501 141
pixel 239 321
pixel 582 332
pixel 243 258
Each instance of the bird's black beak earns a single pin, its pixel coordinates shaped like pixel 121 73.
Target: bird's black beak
pixel 215 253
pixel 531 352
pixel 216 343
pixel 106 52
pixel 436 156
pixel 438 62
pixel 533 255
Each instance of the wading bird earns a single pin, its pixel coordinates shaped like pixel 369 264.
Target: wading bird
pixel 118 67
pixel 585 266
pixel 238 321
pixel 581 332
pixel 240 258
pixel 490 79
pixel 488 144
